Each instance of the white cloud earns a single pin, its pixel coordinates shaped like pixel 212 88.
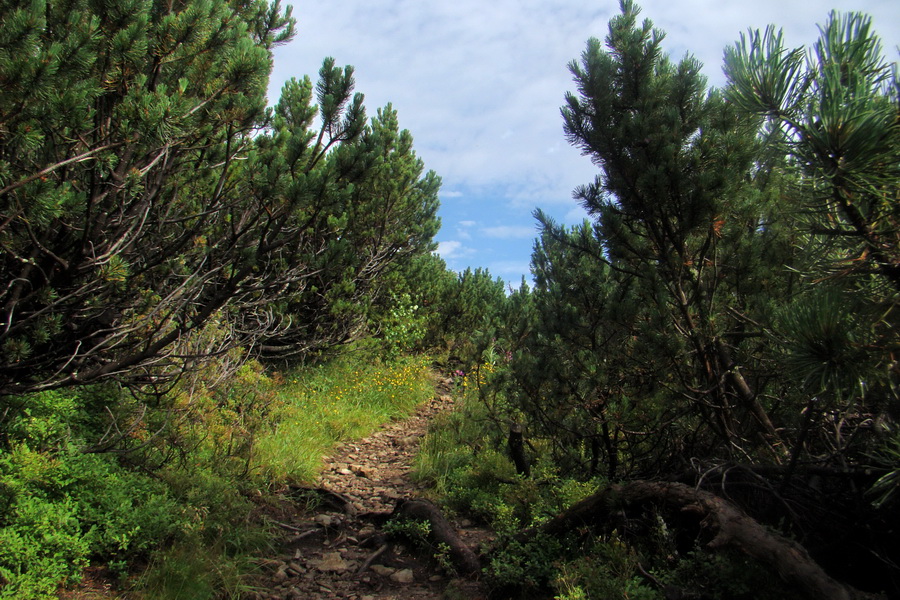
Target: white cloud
pixel 453 249
pixel 480 84
pixel 510 270
pixel 507 232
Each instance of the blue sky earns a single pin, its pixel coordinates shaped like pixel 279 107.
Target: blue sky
pixel 479 85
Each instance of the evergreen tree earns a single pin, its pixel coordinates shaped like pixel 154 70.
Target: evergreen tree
pixel 146 193
pixel 834 111
pixel 361 203
pixel 675 205
pixel 120 126
pixel 579 359
pixel 470 311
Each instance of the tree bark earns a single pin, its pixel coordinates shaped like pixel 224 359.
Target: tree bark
pixel 516 444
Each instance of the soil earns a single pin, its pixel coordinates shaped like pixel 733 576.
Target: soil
pixel 328 539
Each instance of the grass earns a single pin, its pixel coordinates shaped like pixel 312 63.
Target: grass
pixel 314 409
pixel 187 517
pixel 345 399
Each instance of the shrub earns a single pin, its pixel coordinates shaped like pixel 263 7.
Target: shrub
pixel 59 506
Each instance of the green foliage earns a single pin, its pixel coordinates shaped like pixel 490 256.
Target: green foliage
pixel 887 456
pixel 470 309
pixel 456 440
pixel 42 544
pixel 61 506
pixel 732 297
pixel 403 328
pixel 192 570
pixel 412 529
pixel 725 575
pixel 833 111
pixel 826 340
pixel 611 569
pixel 699 311
pixel 106 108
pixel 192 202
pixel 158 221
pixel 418 533
pixel 524 565
pixel 638 318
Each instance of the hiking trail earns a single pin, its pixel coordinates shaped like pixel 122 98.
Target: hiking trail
pixel 327 538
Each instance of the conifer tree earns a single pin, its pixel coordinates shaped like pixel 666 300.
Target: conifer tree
pixel 832 112
pixel 674 205
pixel 147 194
pixel 835 112
pixel 580 359
pixel 120 125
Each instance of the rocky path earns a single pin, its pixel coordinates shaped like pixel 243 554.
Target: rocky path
pixel 332 548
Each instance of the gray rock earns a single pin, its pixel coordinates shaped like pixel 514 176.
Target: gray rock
pixel 404 576
pixel 323 520
pixel 332 561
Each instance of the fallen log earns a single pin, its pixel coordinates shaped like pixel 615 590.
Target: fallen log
pixel 728 525
pixel 442 532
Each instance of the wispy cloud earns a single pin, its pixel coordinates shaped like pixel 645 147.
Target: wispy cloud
pixel 479 85
pixel 510 270
pixel 508 232
pixel 453 249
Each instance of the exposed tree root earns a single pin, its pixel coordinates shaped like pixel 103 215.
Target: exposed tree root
pixel 464 559
pixel 728 525
pixel 329 498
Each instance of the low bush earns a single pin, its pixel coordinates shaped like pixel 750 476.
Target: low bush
pixel 60 506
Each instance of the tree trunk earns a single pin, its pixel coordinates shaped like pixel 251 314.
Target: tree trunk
pixel 516 444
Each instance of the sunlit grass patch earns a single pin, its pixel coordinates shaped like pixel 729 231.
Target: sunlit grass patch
pixel 337 401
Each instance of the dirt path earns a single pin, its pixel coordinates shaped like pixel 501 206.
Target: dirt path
pixel 334 549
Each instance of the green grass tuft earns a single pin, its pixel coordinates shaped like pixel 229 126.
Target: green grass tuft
pixel 338 401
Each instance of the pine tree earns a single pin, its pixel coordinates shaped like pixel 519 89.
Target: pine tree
pixel 674 206
pixel 146 194
pixel 835 112
pixel 120 126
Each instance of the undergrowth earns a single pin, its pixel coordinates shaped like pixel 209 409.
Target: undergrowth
pixel 162 490
pixel 465 459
